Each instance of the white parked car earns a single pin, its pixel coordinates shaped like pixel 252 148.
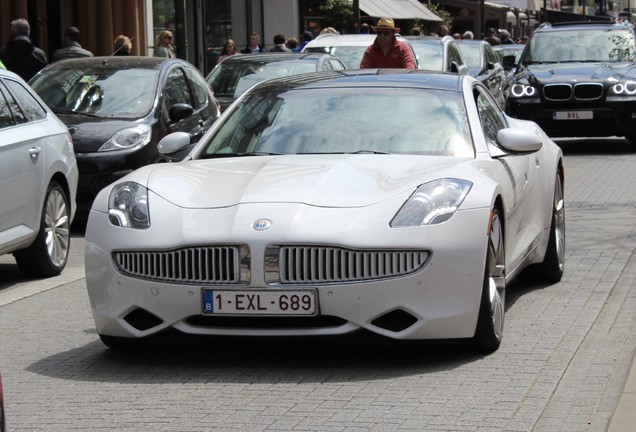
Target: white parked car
pixel 394 201
pixel 38 180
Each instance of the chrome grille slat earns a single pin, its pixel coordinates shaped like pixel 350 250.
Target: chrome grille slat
pixel 205 264
pixel 318 264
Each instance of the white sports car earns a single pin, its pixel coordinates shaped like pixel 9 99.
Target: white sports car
pixel 398 202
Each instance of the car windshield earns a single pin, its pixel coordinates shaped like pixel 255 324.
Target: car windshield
pixel 472 54
pixel 373 120
pixel 589 45
pixel 233 79
pixel 351 56
pixel 429 55
pixel 98 91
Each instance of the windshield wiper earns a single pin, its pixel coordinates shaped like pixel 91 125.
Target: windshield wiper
pixel 68 111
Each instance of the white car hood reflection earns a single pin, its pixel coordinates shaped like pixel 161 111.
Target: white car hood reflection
pixel 317 180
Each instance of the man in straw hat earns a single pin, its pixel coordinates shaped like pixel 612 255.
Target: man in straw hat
pixel 386 51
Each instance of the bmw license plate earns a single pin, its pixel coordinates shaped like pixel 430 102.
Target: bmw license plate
pixel 259 302
pixel 572 115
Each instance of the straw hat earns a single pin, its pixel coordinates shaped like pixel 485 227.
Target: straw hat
pixel 385 24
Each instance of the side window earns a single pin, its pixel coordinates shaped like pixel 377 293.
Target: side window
pixel 31 107
pixel 6 118
pixel 489 115
pixel 198 88
pixel 176 89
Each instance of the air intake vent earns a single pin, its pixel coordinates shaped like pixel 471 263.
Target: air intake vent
pixel 193 265
pixel 323 264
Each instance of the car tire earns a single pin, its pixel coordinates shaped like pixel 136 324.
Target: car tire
pixel 48 254
pixel 551 269
pixel 490 323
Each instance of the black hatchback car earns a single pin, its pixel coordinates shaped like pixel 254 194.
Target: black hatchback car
pixel 118 108
pixel 577 80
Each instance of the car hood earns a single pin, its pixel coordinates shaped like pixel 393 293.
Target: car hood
pixel 90 133
pixel 569 72
pixel 318 180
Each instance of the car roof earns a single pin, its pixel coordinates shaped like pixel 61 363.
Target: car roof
pixel 394 78
pixel 583 25
pixel 508 46
pixel 116 62
pixel 332 39
pixel 274 57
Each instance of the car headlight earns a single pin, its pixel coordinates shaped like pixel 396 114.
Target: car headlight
pixel 522 90
pixel 136 136
pixel 432 203
pixel 627 88
pixel 128 206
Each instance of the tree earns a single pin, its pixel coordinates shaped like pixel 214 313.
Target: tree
pixel 338 13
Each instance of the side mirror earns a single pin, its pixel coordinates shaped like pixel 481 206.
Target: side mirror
pixel 173 143
pixel 519 140
pixel 180 111
pixel 508 61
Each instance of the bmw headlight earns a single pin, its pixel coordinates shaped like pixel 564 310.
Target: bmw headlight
pixel 128 206
pixel 627 88
pixel 135 136
pixel 522 90
pixel 432 203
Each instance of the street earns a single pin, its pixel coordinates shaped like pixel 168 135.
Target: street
pixel 565 355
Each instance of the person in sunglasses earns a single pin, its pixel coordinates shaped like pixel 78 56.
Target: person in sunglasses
pixel 387 51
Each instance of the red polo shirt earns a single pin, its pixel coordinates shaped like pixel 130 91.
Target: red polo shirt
pixel 399 56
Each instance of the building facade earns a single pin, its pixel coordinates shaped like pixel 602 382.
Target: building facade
pixel 202 26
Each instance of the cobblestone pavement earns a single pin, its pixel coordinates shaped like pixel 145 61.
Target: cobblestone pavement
pixel 561 367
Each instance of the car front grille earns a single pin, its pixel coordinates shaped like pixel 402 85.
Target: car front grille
pixel 580 91
pixel 283 264
pixel 325 264
pixel 191 265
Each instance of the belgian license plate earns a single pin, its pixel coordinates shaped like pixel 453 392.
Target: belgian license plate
pixel 573 115
pixel 259 302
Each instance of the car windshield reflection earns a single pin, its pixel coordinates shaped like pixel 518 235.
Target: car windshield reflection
pixel 581 46
pixel 385 120
pixel 104 93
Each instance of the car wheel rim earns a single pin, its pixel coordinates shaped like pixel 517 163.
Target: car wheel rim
pixel 496 279
pixel 559 223
pixel 56 228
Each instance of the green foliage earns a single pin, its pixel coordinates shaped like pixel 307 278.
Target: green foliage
pixel 338 13
pixel 428 27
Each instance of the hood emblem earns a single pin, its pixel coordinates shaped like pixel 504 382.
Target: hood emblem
pixel 261 224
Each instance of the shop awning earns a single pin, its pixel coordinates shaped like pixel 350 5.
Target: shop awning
pixel 397 9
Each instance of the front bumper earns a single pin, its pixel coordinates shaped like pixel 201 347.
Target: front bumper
pixel 615 117
pixel 439 301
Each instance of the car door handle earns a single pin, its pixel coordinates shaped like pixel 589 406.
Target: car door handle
pixel 35 151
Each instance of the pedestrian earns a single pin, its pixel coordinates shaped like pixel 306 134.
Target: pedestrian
pixel 443 30
pixel 19 55
pixel 163 45
pixel 305 38
pixel 492 38
pixel 329 30
pixel 504 37
pixel 122 45
pixel 457 36
pixel 229 49
pixel 292 43
pixel 386 51
pixel 364 28
pixel 279 44
pixel 72 47
pixel 468 35
pixel 253 44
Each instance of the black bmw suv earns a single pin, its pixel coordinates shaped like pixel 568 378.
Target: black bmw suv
pixel 578 80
